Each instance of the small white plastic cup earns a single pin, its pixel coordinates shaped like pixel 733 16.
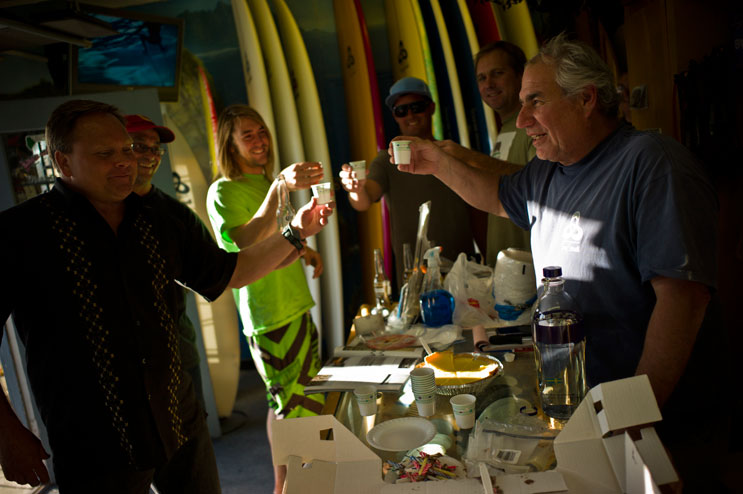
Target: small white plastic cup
pixel 463 407
pixel 426 408
pixel 366 397
pixel 359 168
pixel 324 192
pixel 401 152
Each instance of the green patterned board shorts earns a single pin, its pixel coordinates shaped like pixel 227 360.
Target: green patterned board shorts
pixel 287 358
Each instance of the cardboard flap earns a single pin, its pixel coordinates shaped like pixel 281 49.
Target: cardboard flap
pixel 531 483
pixel 303 437
pixel 624 403
pixel 652 453
pixel 319 477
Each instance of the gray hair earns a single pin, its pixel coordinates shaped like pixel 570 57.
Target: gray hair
pixel 577 66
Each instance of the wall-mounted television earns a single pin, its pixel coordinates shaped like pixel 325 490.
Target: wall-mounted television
pixel 146 53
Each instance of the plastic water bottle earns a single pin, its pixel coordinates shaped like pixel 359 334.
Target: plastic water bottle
pixel 559 347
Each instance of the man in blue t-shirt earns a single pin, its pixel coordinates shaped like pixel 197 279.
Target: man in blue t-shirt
pixel 631 219
pixel 628 215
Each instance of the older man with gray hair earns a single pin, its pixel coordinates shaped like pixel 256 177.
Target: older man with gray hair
pixel 629 215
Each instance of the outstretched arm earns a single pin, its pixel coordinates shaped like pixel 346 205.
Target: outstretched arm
pixel 257 260
pixel 21 453
pixel 263 223
pixel 361 193
pixel 478 187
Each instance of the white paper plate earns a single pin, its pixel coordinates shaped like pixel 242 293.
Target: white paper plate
pixel 401 434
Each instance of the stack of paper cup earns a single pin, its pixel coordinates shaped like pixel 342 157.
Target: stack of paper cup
pixel 423 382
pixel 463 407
pixel 366 397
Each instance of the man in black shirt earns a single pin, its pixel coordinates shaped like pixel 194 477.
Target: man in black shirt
pixel 90 276
pixel 147 138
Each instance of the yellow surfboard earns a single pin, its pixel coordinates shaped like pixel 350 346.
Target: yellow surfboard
pixel 361 126
pixel 316 149
pixel 409 52
pixel 514 25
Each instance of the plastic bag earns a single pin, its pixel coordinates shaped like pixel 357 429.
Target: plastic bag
pixel 472 286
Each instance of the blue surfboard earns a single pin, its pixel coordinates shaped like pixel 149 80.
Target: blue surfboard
pixel 460 44
pixel 446 101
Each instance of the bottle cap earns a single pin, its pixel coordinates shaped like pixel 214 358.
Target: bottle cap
pixel 552 271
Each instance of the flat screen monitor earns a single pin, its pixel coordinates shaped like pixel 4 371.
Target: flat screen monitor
pixel 146 53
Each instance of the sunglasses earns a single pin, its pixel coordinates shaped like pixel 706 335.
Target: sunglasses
pixel 142 149
pixel 415 107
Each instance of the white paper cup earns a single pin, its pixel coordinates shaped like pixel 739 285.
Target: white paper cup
pixel 324 192
pixel 366 397
pixel 359 168
pixel 401 152
pixel 463 407
pixel 426 408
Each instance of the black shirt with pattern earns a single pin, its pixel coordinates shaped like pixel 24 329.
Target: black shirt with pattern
pixel 96 312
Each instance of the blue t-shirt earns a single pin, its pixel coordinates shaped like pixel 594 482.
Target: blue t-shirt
pixel 638 206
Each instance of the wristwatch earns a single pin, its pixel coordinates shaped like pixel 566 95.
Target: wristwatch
pixel 293 237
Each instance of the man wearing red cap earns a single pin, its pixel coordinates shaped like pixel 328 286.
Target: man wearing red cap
pixel 146 140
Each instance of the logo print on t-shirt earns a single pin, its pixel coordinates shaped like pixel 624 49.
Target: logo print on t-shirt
pixel 572 234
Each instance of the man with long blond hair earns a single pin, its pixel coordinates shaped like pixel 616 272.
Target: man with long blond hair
pixel 242 207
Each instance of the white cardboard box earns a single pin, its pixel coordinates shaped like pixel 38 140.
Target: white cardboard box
pixel 595 453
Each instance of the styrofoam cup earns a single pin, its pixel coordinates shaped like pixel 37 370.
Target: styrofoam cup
pixel 366 397
pixel 359 168
pixel 426 408
pixel 401 152
pixel 323 191
pixel 463 407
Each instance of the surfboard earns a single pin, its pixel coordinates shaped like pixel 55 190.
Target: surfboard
pixel 490 122
pixel 514 25
pixel 465 67
pixel 361 125
pixel 451 68
pixel 254 70
pixel 218 319
pixel 483 18
pixel 379 130
pixel 288 137
pixel 210 118
pixel 316 149
pixel 451 102
pixel 409 52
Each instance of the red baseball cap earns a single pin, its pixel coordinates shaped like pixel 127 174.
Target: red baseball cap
pixel 138 123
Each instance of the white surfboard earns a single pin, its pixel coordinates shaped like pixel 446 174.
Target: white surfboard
pixel 218 319
pixel 316 149
pixel 288 136
pixel 254 70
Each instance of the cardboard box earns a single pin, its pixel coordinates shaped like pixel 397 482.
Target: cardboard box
pixel 607 446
